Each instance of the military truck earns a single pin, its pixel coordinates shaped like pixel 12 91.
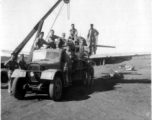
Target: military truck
pixel 45 74
pixel 45 71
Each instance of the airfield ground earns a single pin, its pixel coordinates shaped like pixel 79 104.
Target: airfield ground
pixel 124 99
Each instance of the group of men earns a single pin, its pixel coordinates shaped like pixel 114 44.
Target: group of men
pixel 13 64
pixel 54 41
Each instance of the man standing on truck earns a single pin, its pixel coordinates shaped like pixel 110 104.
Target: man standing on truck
pixel 39 41
pixel 51 40
pixel 69 57
pixel 22 64
pixel 92 39
pixel 61 42
pixel 12 65
pixel 64 39
pixel 83 51
pixel 73 33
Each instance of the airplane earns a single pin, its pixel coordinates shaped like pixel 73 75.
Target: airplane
pixel 98 59
pixel 5 55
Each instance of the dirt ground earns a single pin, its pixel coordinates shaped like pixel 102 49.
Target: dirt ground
pixel 109 99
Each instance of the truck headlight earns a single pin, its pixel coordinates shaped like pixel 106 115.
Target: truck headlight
pixel 32 74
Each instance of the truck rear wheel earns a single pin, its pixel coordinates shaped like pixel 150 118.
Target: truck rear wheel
pixel 55 89
pixel 17 88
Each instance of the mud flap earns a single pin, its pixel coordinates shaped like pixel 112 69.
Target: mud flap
pixel 48 75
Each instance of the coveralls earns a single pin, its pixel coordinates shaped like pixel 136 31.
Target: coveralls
pixel 92 41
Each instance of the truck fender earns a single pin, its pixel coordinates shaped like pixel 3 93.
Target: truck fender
pixel 49 74
pixel 19 73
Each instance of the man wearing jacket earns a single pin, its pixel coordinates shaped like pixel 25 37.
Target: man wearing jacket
pixel 22 64
pixel 12 65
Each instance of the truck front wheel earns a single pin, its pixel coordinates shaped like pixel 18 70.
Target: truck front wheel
pixel 17 88
pixel 4 81
pixel 55 89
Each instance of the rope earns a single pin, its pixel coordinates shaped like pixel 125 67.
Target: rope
pixel 55 19
pixel 68 6
pixel 68 10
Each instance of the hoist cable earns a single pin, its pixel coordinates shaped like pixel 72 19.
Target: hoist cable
pixel 57 15
pixel 55 19
pixel 68 10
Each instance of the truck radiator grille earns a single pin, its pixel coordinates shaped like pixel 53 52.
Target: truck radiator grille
pixel 36 69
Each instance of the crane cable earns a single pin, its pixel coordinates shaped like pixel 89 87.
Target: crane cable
pixel 55 19
pixel 68 10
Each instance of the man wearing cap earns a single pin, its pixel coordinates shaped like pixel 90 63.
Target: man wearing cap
pixel 73 33
pixel 39 41
pixel 92 39
pixel 12 65
pixel 22 64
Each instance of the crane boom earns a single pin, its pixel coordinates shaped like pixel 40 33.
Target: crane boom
pixel 37 27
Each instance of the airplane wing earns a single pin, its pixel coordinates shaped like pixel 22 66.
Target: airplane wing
pixel 102 59
pixel 9 52
pixel 5 55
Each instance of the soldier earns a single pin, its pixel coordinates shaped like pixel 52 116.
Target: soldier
pixel 22 64
pixel 69 57
pixel 62 42
pixel 51 40
pixel 82 49
pixel 12 65
pixel 73 33
pixel 59 43
pixel 92 39
pixel 63 38
pixel 40 41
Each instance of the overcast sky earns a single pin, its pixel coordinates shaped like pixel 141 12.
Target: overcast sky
pixel 126 24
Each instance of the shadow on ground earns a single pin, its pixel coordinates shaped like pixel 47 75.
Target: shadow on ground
pixel 78 92
pixel 126 73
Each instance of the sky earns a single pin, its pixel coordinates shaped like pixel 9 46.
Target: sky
pixel 126 24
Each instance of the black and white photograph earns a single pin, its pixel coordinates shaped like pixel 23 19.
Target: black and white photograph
pixel 75 59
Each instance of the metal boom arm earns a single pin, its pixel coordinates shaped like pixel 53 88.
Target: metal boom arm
pixel 24 42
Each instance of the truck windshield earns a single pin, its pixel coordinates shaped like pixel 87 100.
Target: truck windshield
pixel 45 56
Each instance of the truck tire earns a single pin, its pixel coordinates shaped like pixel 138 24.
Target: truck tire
pixel 4 79
pixel 91 77
pixel 55 89
pixel 17 88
